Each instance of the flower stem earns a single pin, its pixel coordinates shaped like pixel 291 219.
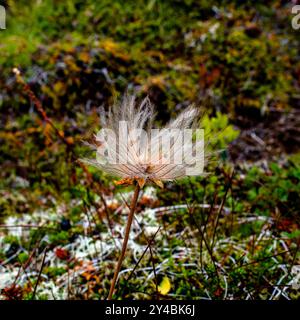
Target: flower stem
pixel 125 241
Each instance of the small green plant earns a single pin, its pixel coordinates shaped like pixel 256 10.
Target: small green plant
pixel 219 130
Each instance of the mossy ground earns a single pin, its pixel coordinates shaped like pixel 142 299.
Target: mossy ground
pixel 233 234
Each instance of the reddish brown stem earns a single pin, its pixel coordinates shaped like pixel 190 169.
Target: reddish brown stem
pixel 125 241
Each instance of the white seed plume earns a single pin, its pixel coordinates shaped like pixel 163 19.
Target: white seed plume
pixel 150 156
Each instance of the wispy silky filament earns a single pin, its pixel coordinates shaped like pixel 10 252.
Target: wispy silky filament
pixel 129 147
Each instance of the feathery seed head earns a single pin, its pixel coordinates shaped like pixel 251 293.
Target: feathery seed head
pixel 129 147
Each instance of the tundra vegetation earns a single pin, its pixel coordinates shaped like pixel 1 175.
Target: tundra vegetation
pixel 232 233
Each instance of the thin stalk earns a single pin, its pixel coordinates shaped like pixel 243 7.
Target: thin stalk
pixel 125 241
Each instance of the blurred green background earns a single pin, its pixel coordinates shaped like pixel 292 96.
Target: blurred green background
pixel 237 60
